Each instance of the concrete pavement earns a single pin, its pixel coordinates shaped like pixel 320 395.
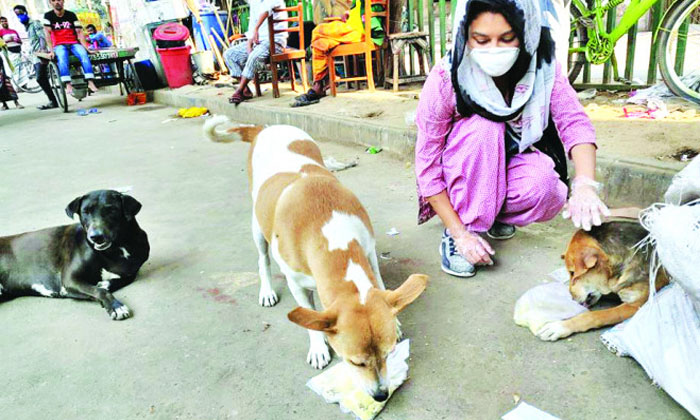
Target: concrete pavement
pixel 200 347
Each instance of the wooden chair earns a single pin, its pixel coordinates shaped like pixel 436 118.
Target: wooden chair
pixel 365 47
pixel 289 54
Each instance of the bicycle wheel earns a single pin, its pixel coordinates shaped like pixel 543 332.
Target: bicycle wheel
pixel 59 90
pixel 578 38
pixel 679 40
pixel 26 69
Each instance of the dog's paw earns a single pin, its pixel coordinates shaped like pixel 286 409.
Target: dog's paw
pixel 267 298
pixel 119 311
pixel 319 356
pixel 553 331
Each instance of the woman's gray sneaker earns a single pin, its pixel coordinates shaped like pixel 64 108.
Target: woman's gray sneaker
pixel 452 262
pixel 501 231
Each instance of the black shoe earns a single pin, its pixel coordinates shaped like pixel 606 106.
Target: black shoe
pixel 50 105
pixel 501 231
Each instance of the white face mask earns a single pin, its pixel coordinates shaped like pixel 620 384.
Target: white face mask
pixel 495 61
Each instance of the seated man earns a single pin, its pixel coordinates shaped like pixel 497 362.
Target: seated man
pixel 63 31
pixel 243 59
pixel 97 39
pixel 327 36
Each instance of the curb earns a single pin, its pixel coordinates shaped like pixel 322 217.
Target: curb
pixel 627 182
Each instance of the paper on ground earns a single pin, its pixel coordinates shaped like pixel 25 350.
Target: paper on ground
pixel 546 303
pixel 335 385
pixel 525 411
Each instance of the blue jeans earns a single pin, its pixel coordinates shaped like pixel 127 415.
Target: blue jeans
pixel 63 63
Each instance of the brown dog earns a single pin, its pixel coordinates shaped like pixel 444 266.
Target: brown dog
pixel 602 262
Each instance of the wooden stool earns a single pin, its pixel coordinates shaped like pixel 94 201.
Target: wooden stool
pixel 418 40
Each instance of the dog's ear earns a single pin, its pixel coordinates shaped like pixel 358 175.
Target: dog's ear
pixel 314 320
pixel 74 207
pixel 590 260
pixel 130 206
pixel 406 293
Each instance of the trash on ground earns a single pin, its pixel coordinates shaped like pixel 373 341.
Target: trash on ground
pixel 334 165
pixel 410 118
pixel 525 411
pixel 547 303
pixel 661 90
pixel 168 120
pixel 373 150
pixel 393 232
pixel 684 154
pixel 587 94
pixel 83 112
pixel 656 110
pixel 385 255
pixel 192 112
pixel 336 385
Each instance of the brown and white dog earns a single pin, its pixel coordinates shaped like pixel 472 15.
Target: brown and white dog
pixel 322 239
pixel 601 262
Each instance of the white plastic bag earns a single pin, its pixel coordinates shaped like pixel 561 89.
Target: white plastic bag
pixel 664 337
pixel 546 303
pixel 336 386
pixel 685 186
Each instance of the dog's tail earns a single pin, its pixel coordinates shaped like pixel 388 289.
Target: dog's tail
pixel 245 133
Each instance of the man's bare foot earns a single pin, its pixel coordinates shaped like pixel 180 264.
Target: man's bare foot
pixel 92 87
pixel 69 88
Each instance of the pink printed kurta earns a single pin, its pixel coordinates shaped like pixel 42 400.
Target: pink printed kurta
pixel 466 157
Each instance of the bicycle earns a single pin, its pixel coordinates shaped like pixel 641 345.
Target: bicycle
pixel 24 71
pixel 590 41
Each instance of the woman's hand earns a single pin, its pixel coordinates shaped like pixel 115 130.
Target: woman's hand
pixel 473 247
pixel 585 208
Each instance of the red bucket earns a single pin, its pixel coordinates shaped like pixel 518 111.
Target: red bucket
pixel 176 64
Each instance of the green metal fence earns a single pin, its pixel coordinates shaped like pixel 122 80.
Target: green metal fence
pixel 437 15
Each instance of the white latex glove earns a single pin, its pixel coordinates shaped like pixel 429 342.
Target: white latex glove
pixel 585 207
pixel 473 247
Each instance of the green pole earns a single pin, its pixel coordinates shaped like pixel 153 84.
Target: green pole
pixel 411 50
pixel 610 24
pixel 631 47
pixel 431 31
pixel 443 29
pixel 680 47
pixel 656 12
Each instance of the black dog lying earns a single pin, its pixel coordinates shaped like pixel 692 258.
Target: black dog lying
pixel 86 260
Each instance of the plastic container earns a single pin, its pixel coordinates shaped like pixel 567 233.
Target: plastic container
pixel 209 22
pixel 147 75
pixel 176 65
pixel 171 35
pixel 204 61
pixel 171 32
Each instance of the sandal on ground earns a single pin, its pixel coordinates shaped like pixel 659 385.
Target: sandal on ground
pixel 236 98
pixel 309 98
pixel 47 106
